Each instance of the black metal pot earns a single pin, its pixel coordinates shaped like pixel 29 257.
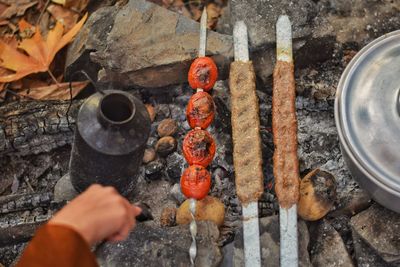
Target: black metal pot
pixel 367 114
pixel 110 137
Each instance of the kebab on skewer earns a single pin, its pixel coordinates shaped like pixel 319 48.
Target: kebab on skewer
pixel 247 157
pixel 198 145
pixel 284 126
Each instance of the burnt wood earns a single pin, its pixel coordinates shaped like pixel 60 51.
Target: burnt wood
pixel 32 127
pixel 20 202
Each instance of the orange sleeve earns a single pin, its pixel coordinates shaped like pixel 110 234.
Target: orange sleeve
pixel 57 245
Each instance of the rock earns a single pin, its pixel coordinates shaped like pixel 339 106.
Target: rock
pixel 354 203
pixel 150 245
pixel 327 247
pixel 317 195
pixel 175 165
pixel 227 251
pixel 313 36
pixel 209 208
pixel 167 127
pixel 168 216
pixel 163 111
pixel 156 58
pixel 149 155
pixel 165 146
pixel 153 193
pixel 146 214
pixel 362 21
pixel 176 193
pixel 269 241
pixel 90 38
pixel 153 170
pixel 366 256
pixel 261 26
pixel 63 190
pixel 151 111
pixel 380 229
pixel 178 113
pixel 151 142
pixel 224 21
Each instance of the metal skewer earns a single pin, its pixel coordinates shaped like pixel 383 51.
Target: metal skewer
pixel 193 231
pixel 287 216
pixel 203 34
pixel 192 201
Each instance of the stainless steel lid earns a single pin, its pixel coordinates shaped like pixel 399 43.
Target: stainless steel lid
pixel 367 111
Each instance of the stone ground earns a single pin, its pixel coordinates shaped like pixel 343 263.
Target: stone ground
pixel 357 232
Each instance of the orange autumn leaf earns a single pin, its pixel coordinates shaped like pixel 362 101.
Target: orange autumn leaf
pixel 40 52
pixel 54 91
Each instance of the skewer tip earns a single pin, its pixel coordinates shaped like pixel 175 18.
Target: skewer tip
pixel 240 41
pixel 204 13
pixel 284 39
pixel 203 19
pixel 203 34
pixel 283 20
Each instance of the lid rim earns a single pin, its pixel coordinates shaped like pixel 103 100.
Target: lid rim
pixel 340 120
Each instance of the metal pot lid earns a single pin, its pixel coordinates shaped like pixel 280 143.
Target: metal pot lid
pixel 367 110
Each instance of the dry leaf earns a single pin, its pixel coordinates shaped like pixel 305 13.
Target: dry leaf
pixel 3 72
pixel 179 7
pixel 196 8
pixel 26 30
pixel 27 83
pixel 65 15
pixel 40 52
pixel 17 8
pixel 2 93
pixel 20 2
pixel 16 85
pixel 164 3
pixel 3 7
pixel 54 91
pixel 12 42
pixel 44 23
pixel 213 13
pixel 61 2
pixel 77 5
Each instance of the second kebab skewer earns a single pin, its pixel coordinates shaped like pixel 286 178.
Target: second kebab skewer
pixel 284 126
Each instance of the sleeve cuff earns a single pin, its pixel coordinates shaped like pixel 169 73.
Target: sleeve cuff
pixel 57 245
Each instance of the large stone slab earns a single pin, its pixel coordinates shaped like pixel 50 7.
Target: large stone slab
pixel 142 44
pixel 150 245
pixel 379 228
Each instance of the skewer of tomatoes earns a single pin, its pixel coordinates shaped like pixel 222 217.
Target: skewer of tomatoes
pixel 198 145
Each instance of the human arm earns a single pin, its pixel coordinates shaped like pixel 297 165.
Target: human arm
pixel 98 213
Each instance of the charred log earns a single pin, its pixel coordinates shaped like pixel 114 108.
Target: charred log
pixel 20 230
pixel 32 127
pixel 13 203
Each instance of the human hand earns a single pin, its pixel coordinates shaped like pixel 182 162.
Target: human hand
pixel 99 213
